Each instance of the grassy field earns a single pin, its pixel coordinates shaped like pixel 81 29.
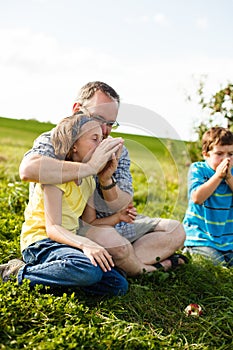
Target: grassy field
pixel 151 315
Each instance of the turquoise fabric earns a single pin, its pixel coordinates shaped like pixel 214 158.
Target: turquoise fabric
pixel 211 223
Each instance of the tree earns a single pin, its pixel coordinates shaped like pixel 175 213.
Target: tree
pixel 221 102
pixel 218 104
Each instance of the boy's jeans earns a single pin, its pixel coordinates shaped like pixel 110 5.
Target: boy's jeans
pixel 54 264
pixel 217 256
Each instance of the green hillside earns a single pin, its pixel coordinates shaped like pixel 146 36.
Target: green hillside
pixel 32 126
pixel 27 130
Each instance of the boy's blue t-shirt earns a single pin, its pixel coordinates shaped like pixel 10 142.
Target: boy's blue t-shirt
pixel 211 223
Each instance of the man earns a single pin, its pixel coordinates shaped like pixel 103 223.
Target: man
pixel 152 239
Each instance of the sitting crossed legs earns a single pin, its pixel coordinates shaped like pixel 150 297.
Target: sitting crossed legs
pixel 153 251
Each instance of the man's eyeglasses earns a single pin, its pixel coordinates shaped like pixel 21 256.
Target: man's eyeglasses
pixel 112 124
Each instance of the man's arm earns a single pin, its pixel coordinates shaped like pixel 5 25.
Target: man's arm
pixel 40 165
pixel 116 198
pixel 47 170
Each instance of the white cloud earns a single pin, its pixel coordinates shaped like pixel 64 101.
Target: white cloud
pixel 202 23
pixel 40 78
pixel 137 19
pixel 26 50
pixel 161 19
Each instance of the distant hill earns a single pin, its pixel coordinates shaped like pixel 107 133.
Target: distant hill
pixel 26 125
pixel 27 130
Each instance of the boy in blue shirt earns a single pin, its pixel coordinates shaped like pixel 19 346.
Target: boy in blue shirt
pixel 208 221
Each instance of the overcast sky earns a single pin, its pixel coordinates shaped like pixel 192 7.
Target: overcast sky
pixel 148 50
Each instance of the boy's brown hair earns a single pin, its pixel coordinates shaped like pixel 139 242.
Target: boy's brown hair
pixel 216 136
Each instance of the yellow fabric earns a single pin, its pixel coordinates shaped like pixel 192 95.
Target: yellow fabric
pixel 74 200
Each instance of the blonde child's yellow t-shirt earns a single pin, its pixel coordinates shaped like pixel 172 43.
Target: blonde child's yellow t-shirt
pixel 74 200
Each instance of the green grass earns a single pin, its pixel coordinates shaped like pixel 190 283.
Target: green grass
pixel 151 315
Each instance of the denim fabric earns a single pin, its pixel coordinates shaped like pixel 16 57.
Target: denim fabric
pixel 58 265
pixel 217 256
